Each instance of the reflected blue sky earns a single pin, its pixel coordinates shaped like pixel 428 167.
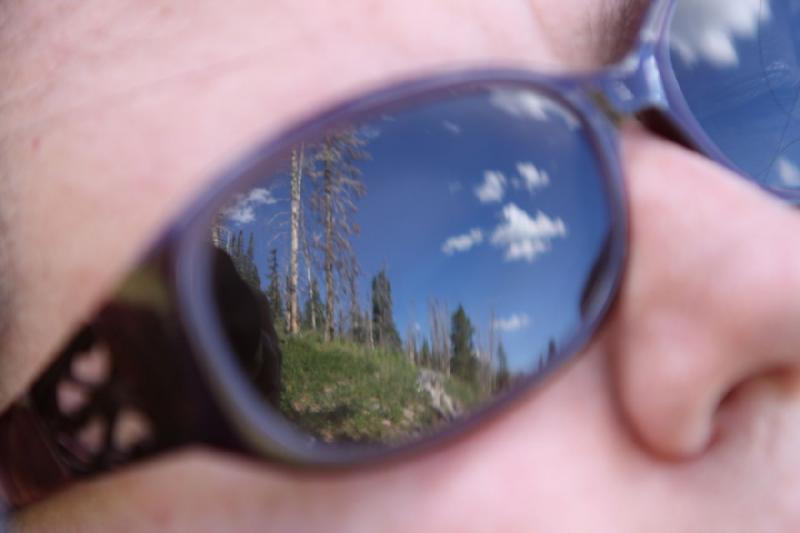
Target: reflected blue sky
pixel 737 64
pixel 489 200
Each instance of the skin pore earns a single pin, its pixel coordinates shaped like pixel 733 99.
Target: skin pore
pixel 682 415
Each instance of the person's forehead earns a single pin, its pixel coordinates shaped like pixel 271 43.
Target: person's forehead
pixel 96 50
pixel 115 114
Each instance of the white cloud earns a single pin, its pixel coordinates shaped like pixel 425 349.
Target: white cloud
pixel 531 177
pixel 462 243
pixel 452 127
pixel 493 187
pixel 241 215
pixel 260 196
pixel 243 209
pixel 525 237
pixel 531 104
pixel 788 172
pixel 707 29
pixel 512 323
pixel 369 132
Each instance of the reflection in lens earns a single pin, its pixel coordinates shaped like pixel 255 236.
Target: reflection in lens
pixel 737 66
pixel 392 275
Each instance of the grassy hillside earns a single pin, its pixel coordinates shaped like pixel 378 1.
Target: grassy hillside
pixel 345 392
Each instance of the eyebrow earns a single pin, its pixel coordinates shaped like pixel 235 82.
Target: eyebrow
pixel 619 27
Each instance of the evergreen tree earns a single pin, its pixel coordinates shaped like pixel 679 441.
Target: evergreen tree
pixel 237 246
pixel 439 327
pixel 549 355
pixel 464 363
pixel 249 269
pixel 313 310
pixel 274 291
pixel 250 250
pixel 503 377
pixel 384 331
pixel 244 261
pixel 358 327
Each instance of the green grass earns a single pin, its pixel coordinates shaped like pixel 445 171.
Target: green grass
pixel 341 391
pixel 464 393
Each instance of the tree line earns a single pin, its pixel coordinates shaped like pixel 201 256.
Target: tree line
pixel 450 347
pixel 325 186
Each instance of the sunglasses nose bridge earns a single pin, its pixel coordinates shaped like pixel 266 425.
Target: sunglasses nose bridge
pixel 630 87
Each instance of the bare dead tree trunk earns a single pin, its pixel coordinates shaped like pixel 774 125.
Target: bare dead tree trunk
pixel 216 231
pixel 309 278
pixel 440 335
pixel 337 189
pixel 368 321
pixel 328 263
pixel 411 343
pixel 312 317
pixel 291 289
pixel 355 312
pixel 483 354
pixel 340 323
pixel 286 313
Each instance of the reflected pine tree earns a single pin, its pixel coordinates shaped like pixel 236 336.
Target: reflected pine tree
pixel 503 377
pixel 244 259
pixel 274 292
pixel 313 312
pixel 464 362
pixel 384 330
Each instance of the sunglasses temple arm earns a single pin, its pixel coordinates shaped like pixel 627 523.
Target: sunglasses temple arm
pixel 30 467
pixel 124 388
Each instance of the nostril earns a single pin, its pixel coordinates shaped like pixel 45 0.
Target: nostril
pixel 782 380
pixel 743 411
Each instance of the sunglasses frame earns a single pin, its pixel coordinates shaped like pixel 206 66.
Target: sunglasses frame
pixel 208 399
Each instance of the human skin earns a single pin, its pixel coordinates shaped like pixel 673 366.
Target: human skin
pixel 683 414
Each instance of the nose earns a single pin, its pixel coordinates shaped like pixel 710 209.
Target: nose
pixel 710 305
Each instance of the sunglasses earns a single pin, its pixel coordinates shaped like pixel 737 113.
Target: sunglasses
pixel 393 271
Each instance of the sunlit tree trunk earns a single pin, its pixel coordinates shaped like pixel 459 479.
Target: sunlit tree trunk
pixel 216 231
pixel 330 292
pixel 291 289
pixel 370 337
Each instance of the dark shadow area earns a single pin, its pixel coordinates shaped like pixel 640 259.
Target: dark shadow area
pixel 249 326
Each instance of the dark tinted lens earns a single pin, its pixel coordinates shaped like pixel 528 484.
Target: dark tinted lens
pixel 736 62
pixel 398 272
